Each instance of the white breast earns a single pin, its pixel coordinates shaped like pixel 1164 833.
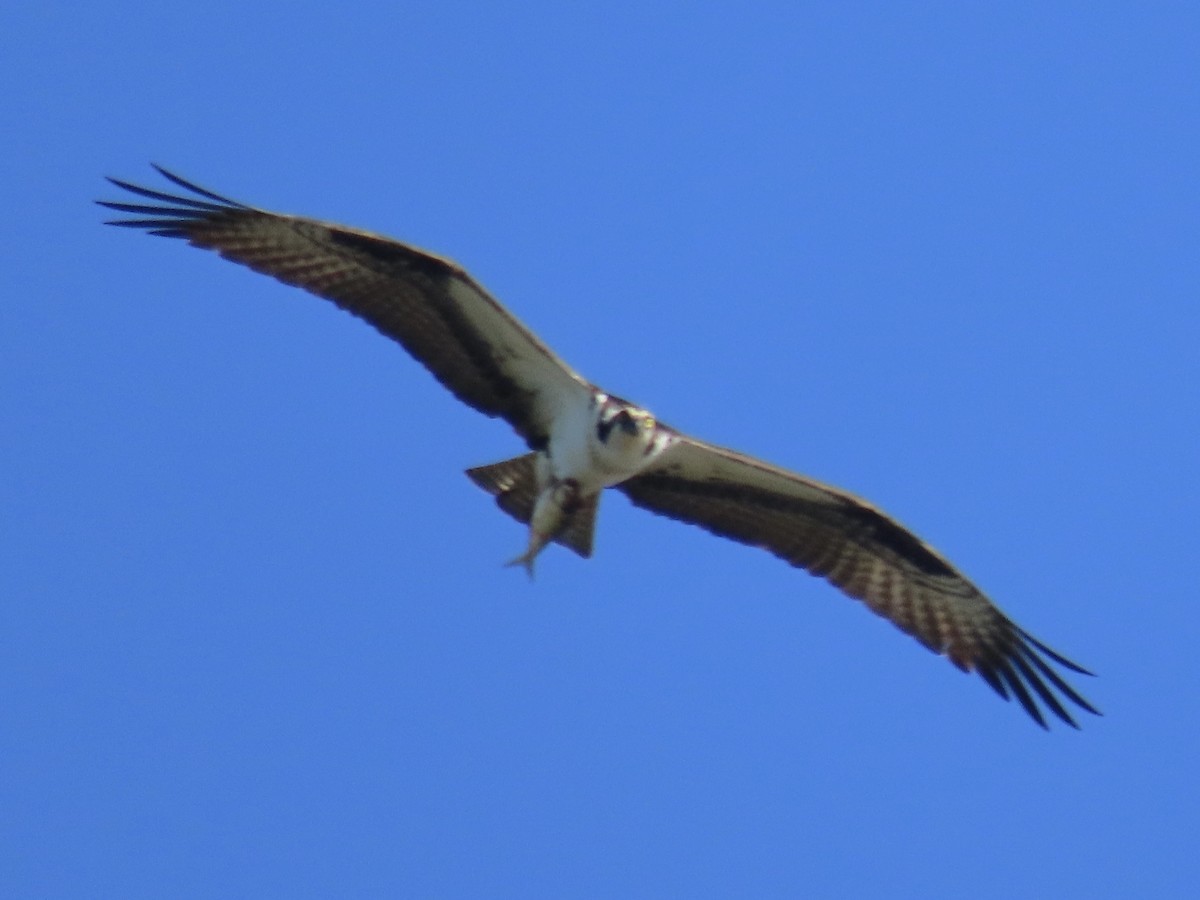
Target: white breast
pixel 571 437
pixel 577 452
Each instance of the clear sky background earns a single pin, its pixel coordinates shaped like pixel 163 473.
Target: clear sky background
pixel 255 639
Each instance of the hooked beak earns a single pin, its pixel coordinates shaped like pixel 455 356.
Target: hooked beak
pixel 627 422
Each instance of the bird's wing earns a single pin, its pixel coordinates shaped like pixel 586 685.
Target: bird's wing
pixel 428 304
pixel 860 550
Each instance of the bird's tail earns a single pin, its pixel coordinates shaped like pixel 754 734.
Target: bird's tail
pixel 514 484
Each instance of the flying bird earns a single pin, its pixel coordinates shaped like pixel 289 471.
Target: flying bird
pixel 582 439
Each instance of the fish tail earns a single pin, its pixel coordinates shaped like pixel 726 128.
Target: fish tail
pixel 525 560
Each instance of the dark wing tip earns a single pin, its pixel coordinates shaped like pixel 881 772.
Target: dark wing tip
pixel 170 214
pixel 196 189
pixel 1021 669
pixel 1057 657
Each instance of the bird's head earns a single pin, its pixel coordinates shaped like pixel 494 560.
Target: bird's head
pixel 625 424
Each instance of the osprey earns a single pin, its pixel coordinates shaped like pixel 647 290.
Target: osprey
pixel 582 440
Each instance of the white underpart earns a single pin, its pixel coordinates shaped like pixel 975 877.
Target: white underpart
pixel 577 464
pixel 576 451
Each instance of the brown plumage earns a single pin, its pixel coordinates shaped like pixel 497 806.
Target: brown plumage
pixel 857 548
pixel 426 303
pixel 490 361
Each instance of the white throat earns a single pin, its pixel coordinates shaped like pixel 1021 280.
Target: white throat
pixel 604 443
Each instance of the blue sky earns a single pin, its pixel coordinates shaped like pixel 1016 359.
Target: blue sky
pixel 256 638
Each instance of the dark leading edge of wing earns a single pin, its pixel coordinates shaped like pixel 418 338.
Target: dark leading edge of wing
pixel 863 552
pixel 429 305
pixel 490 361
